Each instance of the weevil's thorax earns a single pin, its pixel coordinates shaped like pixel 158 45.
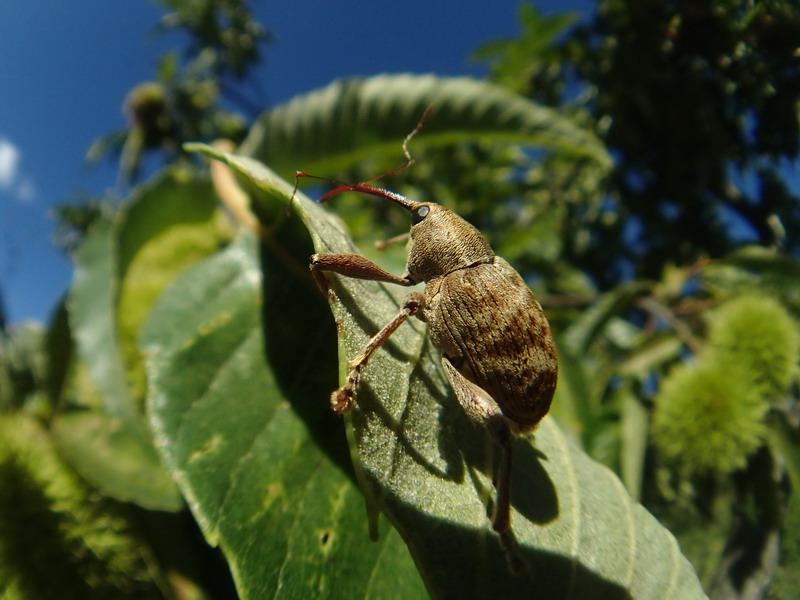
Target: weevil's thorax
pixel 443 242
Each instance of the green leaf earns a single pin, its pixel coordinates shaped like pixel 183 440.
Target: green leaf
pixel 786 581
pixel 653 353
pixel 634 431
pixel 169 224
pixel 352 119
pixel 756 267
pixel 60 351
pixel 784 438
pixel 575 402
pixel 23 368
pixel 423 463
pixel 119 461
pixel 594 322
pixel 92 310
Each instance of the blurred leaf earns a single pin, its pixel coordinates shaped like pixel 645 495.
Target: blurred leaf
pixel 574 403
pixel 169 224
pixel 634 432
pixel 585 330
pixel 23 367
pixel 784 438
pixel 60 350
pixel 786 581
pixel 754 265
pixel 423 463
pixel 111 143
pixel 352 119
pixel 119 461
pixel 654 352
pixel 92 310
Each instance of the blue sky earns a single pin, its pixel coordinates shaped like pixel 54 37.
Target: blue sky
pixel 67 67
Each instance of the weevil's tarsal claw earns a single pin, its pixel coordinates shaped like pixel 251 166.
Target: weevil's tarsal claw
pixel 342 400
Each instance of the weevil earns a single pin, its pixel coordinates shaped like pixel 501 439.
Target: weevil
pixel 498 352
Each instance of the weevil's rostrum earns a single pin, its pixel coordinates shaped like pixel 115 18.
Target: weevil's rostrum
pixel 497 349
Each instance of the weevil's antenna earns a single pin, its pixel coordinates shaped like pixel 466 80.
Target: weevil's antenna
pixel 409 159
pixel 364 186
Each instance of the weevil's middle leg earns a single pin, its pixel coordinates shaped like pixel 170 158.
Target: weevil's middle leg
pixel 483 410
pixel 342 399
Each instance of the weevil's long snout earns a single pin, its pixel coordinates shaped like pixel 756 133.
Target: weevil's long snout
pixel 409 205
pixel 364 188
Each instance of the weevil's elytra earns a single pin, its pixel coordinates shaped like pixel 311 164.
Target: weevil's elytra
pixel 489 326
pixel 497 349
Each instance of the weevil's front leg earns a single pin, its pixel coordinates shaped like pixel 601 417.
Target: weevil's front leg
pixel 483 410
pixel 342 399
pixel 350 265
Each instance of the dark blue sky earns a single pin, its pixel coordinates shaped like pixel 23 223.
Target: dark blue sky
pixel 67 67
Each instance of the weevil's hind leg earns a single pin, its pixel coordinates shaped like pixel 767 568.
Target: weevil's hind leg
pixel 483 410
pixel 502 511
pixel 342 399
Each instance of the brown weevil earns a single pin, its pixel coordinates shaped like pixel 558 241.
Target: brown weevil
pixel 497 349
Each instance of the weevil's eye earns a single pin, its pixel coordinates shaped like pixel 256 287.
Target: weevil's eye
pixel 420 213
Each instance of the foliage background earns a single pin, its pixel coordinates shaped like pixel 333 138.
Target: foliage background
pixel 668 273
